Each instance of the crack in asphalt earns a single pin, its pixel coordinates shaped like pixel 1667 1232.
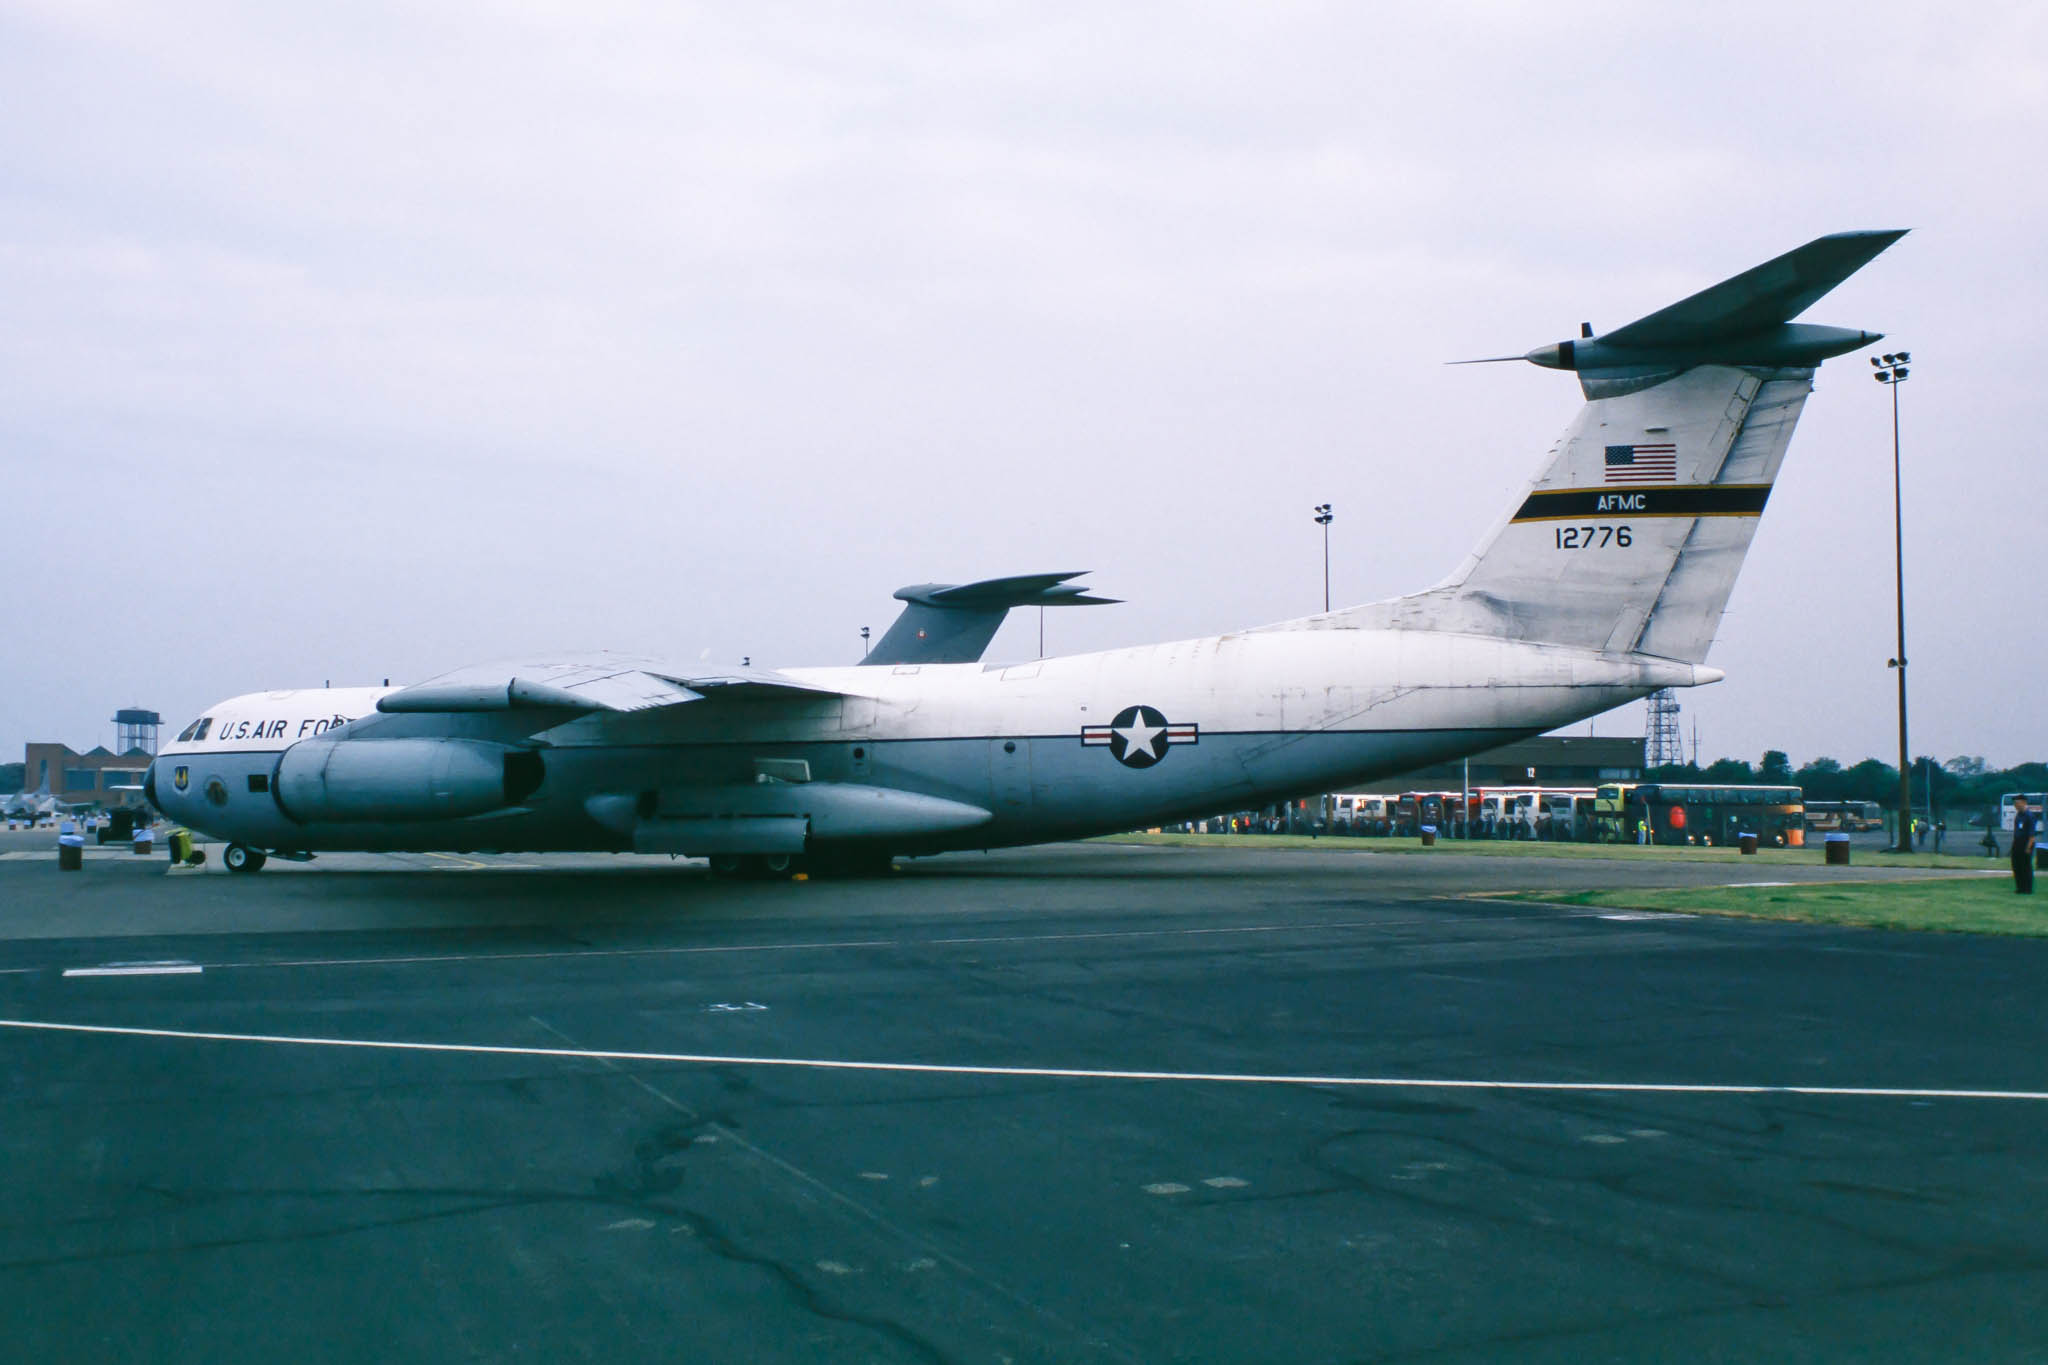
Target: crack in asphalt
pixel 736 1082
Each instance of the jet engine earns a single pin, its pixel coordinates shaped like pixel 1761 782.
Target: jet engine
pixel 319 781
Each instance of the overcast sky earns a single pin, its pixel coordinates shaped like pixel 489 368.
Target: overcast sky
pixel 369 341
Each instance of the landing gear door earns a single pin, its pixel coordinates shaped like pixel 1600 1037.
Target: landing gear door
pixel 1009 777
pixel 857 729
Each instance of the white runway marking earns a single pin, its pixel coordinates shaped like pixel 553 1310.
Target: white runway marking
pixel 1639 916
pixel 138 969
pixel 1075 1073
pixel 809 946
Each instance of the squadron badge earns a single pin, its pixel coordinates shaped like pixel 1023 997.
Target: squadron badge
pixel 1139 736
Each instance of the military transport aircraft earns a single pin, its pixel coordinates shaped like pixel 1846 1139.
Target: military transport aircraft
pixel 1603 581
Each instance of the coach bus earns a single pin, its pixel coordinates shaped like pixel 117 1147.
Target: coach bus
pixel 1701 813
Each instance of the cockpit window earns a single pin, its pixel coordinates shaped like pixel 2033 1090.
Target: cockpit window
pixel 205 724
pixel 185 734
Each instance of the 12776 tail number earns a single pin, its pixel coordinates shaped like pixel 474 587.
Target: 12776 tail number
pixel 1594 537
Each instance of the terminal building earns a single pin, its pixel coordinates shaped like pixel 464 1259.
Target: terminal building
pixel 108 777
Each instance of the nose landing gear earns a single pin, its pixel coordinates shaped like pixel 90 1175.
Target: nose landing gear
pixel 242 858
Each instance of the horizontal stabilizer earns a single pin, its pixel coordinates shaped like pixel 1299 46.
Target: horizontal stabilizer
pixel 1019 590
pixel 1761 297
pixel 1745 320
pixel 952 623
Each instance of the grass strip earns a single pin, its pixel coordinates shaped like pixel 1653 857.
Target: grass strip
pixel 1515 848
pixel 1964 905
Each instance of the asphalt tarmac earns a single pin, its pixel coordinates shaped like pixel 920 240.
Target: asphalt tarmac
pixel 1115 1104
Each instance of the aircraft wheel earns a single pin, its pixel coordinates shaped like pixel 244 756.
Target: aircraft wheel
pixel 728 865
pixel 242 858
pixel 779 866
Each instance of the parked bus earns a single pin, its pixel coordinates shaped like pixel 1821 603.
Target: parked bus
pixel 1546 813
pixel 1364 812
pixel 1848 816
pixel 1490 813
pixel 1614 822
pixel 1702 813
pixel 2034 799
pixel 1438 810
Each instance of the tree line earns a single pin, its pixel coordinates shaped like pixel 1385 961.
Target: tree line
pixel 1964 782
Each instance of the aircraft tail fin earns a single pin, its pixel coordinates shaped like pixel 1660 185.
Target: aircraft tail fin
pixel 946 623
pixel 1629 539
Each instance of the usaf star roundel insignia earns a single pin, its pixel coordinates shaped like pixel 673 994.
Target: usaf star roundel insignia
pixel 1139 736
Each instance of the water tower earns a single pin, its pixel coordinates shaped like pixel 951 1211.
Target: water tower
pixel 136 729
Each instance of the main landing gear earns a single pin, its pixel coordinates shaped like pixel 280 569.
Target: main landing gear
pixel 757 867
pixel 242 858
pixel 775 867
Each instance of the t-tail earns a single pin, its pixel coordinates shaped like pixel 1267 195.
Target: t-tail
pixel 1629 539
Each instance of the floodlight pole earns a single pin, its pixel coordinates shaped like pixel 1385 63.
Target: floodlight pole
pixel 1324 516
pixel 1891 372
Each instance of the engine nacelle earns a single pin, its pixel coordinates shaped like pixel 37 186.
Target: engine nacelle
pixel 319 781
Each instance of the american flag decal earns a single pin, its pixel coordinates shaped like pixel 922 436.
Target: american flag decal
pixel 1643 463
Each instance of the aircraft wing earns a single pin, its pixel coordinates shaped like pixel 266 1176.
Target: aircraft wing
pixel 595 683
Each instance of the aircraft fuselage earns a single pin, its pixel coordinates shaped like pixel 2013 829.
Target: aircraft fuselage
pixel 1049 748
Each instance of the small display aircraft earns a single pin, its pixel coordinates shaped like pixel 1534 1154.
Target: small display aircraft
pixel 1604 580
pixel 31 807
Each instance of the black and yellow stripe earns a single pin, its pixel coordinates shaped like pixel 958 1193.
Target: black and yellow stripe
pixel 1695 500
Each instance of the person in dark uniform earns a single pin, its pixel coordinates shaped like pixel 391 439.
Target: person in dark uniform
pixel 2025 825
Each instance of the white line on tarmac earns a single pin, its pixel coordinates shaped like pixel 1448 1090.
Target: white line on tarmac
pixel 139 969
pixel 818 945
pixel 1034 1072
